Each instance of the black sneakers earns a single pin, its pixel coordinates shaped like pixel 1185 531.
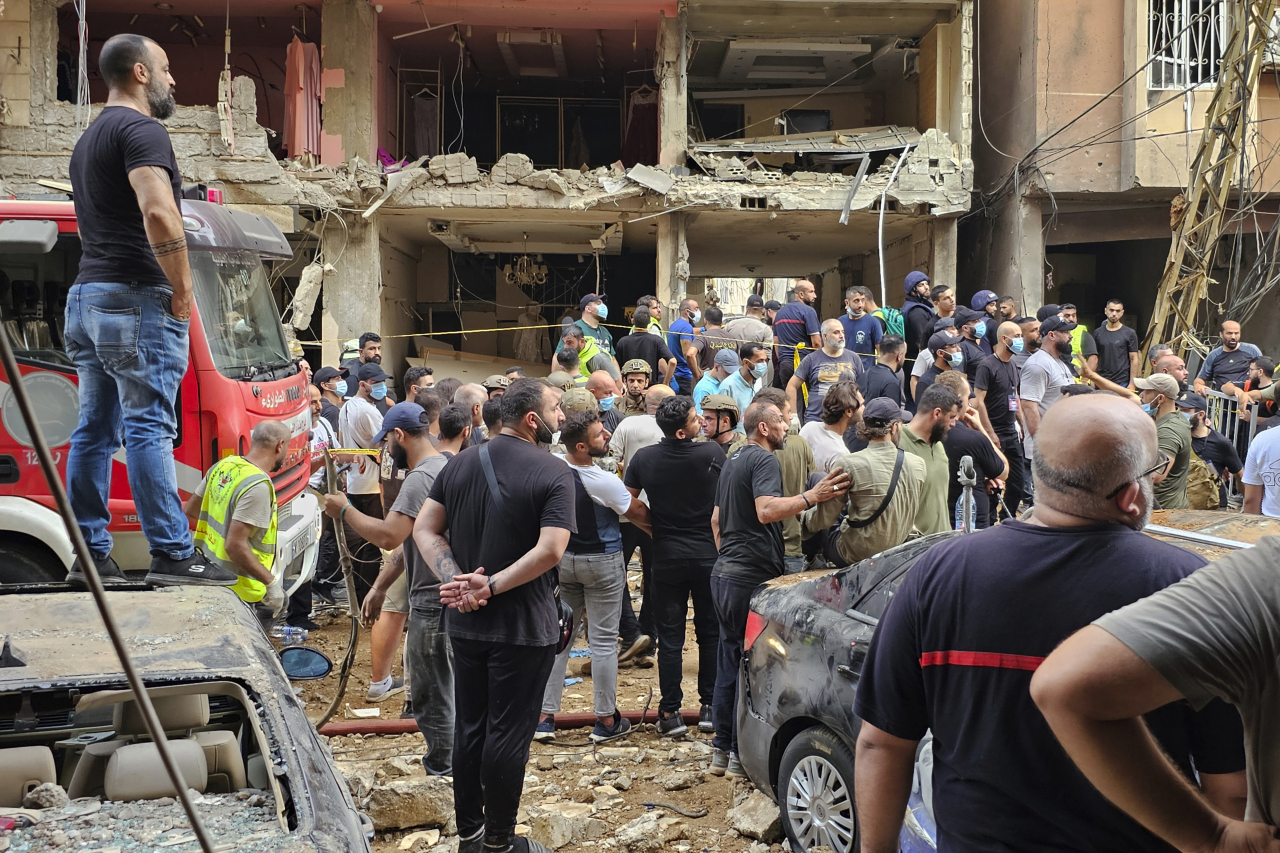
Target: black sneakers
pixel 671 725
pixel 705 722
pixel 196 570
pixel 108 572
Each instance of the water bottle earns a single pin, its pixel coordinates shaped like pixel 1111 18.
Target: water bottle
pixel 289 635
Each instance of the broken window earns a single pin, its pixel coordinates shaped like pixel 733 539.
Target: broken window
pixel 1185 39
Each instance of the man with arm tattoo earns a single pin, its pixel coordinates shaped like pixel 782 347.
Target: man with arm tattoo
pixel 128 317
pixel 498 575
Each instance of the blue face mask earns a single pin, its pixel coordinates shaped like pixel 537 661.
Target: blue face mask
pixel 602 311
pixel 378 391
pixel 340 387
pixel 956 359
pixel 980 328
pixel 1149 408
pixel 758 369
pixel 606 404
pixel 1188 416
pixel 1017 344
pixel 696 318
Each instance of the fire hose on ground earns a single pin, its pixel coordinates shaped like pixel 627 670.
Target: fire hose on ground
pixel 344 561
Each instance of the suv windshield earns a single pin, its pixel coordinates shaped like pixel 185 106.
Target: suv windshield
pixel 238 313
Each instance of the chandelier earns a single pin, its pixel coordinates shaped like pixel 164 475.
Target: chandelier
pixel 526 272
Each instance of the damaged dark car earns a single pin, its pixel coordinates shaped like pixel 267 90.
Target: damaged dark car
pixel 807 637
pixel 77 767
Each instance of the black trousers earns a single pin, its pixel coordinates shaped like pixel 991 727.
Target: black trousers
pixel 684 385
pixel 733 603
pixel 674 582
pixel 366 558
pixel 629 627
pixel 1015 484
pixel 497 691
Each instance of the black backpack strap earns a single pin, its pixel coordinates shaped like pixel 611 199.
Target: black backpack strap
pixel 888 496
pixel 494 493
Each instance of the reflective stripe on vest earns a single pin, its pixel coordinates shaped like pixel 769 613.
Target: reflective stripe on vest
pixel 224 485
pixel 590 349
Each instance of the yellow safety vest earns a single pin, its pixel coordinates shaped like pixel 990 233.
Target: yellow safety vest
pixel 1077 336
pixel 224 484
pixel 590 349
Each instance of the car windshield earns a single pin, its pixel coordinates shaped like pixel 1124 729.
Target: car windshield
pixel 238 313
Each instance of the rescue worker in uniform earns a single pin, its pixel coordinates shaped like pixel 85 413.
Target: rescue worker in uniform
pixel 719 422
pixel 496 385
pixel 636 375
pixel 235 514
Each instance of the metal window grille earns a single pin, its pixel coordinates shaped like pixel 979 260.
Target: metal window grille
pixel 1186 39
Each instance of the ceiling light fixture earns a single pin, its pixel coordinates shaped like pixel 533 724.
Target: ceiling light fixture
pixel 164 7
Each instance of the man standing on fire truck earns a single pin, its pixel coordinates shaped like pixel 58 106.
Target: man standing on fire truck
pixel 128 317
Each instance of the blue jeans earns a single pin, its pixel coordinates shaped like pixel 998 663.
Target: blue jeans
pixel 130 354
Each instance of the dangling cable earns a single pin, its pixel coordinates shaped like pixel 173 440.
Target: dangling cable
pixel 82 71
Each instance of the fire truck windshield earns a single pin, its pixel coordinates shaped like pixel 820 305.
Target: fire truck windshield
pixel 239 315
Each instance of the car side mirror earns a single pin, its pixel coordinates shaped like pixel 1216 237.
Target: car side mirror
pixel 304 664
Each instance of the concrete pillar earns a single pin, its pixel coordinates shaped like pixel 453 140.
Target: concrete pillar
pixel 1015 266
pixel 349 53
pixel 942 252
pixel 353 292
pixel 673 133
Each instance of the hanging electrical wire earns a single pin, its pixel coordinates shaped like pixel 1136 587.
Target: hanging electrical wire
pixel 82 69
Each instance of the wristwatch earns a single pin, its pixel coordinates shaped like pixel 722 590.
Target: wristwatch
pixel 492 591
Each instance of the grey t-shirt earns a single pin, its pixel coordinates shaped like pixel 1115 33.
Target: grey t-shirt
pixel 424 586
pixel 1216 634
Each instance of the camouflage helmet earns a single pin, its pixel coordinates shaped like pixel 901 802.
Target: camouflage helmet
pixel 579 400
pixel 637 365
pixel 562 380
pixel 722 403
pixel 494 382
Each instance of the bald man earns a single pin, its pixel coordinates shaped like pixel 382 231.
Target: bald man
pixel 473 397
pixel 821 369
pixel 603 387
pixel 235 514
pixel 995 385
pixel 947 646
pixel 1175 367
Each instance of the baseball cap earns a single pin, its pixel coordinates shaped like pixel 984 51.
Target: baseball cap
pixel 588 299
pixel 401 416
pixel 1161 383
pixel 328 374
pixel 964 316
pixel 941 340
pixel 1192 400
pixel 1054 323
pixel 371 372
pixel 772 305
pixel 880 409
pixel 982 299
pixel 728 359
pixel 579 400
pixel 755 301
pixel 944 323
pixel 1046 311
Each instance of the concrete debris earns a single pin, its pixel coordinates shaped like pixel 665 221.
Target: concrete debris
pixel 418 841
pixel 757 817
pixel 650 832
pixel 654 179
pixel 558 824
pixel 731 169
pixel 249 825
pixel 409 801
pixel 678 780
pixel 546 179
pixel 47 796
pixel 399 766
pixel 455 168
pixel 510 168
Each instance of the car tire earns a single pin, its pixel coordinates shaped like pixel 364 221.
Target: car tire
pixel 815 792
pixel 24 561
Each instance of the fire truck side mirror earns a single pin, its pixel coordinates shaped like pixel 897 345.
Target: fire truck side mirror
pixel 28 236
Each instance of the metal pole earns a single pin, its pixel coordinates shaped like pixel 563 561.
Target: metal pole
pixel 884 199
pixel 90 569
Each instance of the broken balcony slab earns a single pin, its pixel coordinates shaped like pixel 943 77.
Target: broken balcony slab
pixel 858 140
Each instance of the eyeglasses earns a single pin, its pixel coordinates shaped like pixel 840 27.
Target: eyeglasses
pixel 1161 466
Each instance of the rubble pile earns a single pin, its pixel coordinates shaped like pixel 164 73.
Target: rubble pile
pixel 243 821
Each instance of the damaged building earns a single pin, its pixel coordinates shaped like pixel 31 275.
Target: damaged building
pixel 449 174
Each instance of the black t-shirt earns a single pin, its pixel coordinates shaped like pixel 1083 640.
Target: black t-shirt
pixel 329 412
pixel 1215 449
pixel 1113 352
pixel 1000 380
pixel 645 347
pixel 930 376
pixel 962 441
pixel 947 656
pixel 113 241
pixel 679 477
pixel 538 491
pixel 611 419
pixel 880 381
pixel 973 356
pixel 750 552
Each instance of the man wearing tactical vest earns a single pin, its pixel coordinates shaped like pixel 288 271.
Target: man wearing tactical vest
pixel 235 514
pixel 636 375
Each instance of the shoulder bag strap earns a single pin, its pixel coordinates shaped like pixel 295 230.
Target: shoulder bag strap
pixel 888 496
pixel 495 494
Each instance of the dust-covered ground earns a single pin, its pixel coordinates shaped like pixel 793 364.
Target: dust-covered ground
pixel 573 789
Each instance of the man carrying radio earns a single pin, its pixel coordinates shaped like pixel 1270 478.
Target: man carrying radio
pixel 235 514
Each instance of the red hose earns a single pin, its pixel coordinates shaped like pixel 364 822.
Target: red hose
pixel 398 726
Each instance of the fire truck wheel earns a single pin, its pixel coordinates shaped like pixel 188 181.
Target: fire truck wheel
pixel 29 562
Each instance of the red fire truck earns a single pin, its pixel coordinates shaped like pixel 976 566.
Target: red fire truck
pixel 240 373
